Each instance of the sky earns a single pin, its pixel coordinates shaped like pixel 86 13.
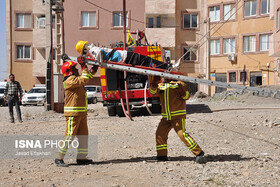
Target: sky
pixel 3 61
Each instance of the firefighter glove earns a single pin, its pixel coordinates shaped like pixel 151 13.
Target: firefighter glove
pixel 81 60
pixel 95 68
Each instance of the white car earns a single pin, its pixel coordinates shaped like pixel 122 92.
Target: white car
pixel 2 102
pixel 93 94
pixel 37 95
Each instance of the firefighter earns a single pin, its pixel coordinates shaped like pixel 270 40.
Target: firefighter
pixel 173 96
pixel 105 54
pixel 75 110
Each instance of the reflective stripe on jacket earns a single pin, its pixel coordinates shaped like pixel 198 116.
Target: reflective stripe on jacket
pixel 75 101
pixel 173 105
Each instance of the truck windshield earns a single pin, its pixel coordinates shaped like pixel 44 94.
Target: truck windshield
pixel 1 90
pixel 90 89
pixel 37 90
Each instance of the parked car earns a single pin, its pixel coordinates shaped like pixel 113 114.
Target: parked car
pixel 35 96
pixel 2 102
pixel 93 94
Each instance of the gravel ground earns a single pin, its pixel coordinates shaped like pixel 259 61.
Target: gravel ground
pixel 240 136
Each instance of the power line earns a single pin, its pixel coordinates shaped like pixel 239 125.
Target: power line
pixel 249 40
pixel 162 26
pixel 111 11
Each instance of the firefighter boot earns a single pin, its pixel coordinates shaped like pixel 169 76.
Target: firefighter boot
pixel 199 158
pixel 60 163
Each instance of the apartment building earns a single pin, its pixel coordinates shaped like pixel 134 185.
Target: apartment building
pixel 99 22
pixel 275 50
pixel 240 42
pixel 19 25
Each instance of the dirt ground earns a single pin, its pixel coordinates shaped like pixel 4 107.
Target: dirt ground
pixel 240 136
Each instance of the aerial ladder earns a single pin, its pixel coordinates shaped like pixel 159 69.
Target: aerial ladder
pixel 263 92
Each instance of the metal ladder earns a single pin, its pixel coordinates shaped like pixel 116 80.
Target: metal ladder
pixel 264 92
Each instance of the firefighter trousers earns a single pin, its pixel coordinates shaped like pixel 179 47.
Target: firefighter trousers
pixel 179 126
pixel 76 126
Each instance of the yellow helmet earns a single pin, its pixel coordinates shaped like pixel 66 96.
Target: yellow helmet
pixel 80 46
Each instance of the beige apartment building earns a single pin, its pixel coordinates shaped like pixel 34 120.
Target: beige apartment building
pixel 241 42
pixel 240 45
pixel 98 22
pixel 275 50
pixel 20 55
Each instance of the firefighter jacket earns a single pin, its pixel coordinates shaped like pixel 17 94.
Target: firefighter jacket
pixel 75 101
pixel 172 99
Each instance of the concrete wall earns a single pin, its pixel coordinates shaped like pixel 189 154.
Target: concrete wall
pixel 160 6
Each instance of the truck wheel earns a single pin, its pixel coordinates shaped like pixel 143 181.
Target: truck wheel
pixel 119 111
pixel 111 110
pixel 94 100
pixel 156 108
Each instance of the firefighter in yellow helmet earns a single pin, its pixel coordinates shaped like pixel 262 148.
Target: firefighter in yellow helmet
pixel 81 46
pixel 173 96
pixel 75 110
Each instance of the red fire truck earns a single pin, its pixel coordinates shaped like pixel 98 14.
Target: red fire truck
pixel 112 82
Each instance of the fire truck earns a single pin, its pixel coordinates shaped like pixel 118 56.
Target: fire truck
pixel 113 87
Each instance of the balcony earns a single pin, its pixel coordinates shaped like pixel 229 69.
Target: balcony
pixel 39 62
pixel 160 7
pixel 163 36
pixel 39 38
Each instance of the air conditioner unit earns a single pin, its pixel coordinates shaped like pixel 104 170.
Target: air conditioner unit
pixel 232 57
pixel 41 22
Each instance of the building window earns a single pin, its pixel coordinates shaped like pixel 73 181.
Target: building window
pixel 214 13
pixel 249 44
pixel 250 8
pixel 23 52
pixel 264 42
pixel 243 76
pixel 190 21
pixel 229 45
pixel 158 22
pixel 150 22
pixel 214 47
pixel 88 19
pixel 191 55
pixel 41 22
pixel 229 12
pixel 118 19
pixel 278 19
pixel 232 76
pixel 265 6
pixel 23 21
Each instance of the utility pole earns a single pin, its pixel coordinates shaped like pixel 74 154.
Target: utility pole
pixel 49 56
pixel 208 69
